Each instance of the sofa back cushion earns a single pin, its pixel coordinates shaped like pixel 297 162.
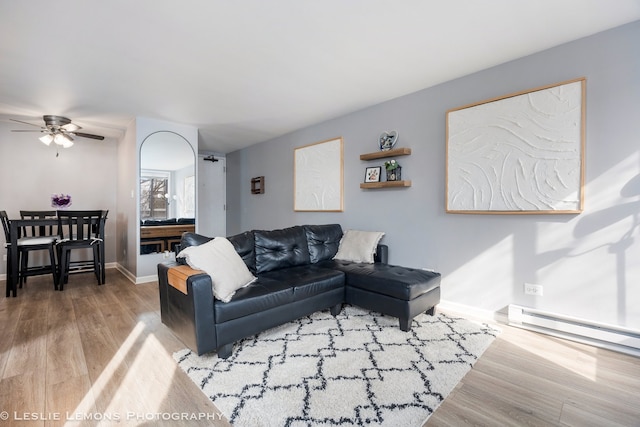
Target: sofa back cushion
pixel 278 249
pixel 359 246
pixel 323 241
pixel 193 239
pixel 219 259
pixel 244 245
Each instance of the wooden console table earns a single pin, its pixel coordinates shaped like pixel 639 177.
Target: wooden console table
pixel 164 237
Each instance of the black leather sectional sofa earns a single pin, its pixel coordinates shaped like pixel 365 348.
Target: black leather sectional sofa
pixel 296 276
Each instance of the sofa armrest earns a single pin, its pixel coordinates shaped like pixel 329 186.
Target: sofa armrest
pixel 190 315
pixel 178 275
pixel 382 254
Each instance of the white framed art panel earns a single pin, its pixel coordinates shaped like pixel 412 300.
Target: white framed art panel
pixel 318 177
pixel 520 153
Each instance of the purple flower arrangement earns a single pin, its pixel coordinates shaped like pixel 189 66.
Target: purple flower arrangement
pixel 60 201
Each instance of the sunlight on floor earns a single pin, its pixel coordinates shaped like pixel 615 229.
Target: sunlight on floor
pixel 574 359
pixel 87 403
pixel 152 371
pixel 132 359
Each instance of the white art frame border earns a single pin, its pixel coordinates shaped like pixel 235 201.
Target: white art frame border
pixel 521 153
pixel 318 177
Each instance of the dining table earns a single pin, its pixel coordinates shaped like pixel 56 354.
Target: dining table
pixel 15 227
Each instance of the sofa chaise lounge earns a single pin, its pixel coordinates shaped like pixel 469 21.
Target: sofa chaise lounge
pixel 295 275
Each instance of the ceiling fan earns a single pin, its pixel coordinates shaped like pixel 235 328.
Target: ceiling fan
pixel 58 129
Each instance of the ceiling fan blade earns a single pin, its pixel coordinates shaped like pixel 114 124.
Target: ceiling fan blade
pixel 24 130
pixel 87 135
pixel 26 123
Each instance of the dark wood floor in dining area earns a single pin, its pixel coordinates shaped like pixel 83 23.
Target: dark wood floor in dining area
pixel 102 352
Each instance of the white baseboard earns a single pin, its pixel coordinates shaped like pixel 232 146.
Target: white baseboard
pixel 121 269
pixel 146 279
pixel 136 280
pixel 476 313
pixel 107 266
pixel 126 273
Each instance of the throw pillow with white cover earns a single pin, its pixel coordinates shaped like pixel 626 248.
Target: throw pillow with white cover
pixel 219 259
pixel 358 246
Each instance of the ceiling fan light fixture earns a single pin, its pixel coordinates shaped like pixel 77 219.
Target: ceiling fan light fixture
pixel 63 139
pixel 46 139
pixel 59 139
pixel 58 129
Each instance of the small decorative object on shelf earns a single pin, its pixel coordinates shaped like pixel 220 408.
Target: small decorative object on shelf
pixel 394 170
pixel 372 174
pixel 387 140
pixel 60 201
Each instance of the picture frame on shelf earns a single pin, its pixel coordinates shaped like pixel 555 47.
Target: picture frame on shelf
pixel 372 174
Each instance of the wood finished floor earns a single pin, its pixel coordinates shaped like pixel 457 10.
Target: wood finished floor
pixel 94 351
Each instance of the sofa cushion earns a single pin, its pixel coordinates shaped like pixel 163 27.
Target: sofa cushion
pixel 170 221
pixel 403 283
pixel 358 246
pixel 323 241
pixel 307 280
pixel 193 239
pixel 244 245
pixel 259 296
pixel 219 260
pixel 277 288
pixel 190 239
pixel 278 249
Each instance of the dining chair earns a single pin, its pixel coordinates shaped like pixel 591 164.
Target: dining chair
pixel 25 245
pixel 5 226
pixel 101 231
pixel 35 238
pixel 80 230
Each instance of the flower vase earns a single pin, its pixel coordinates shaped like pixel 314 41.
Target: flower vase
pixel 394 174
pixel 60 201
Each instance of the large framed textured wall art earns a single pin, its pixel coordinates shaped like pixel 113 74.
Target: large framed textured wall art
pixel 318 177
pixel 518 154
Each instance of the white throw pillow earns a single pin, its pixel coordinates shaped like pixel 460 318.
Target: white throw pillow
pixel 219 259
pixel 358 246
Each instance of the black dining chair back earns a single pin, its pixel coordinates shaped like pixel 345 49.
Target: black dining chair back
pixel 37 238
pixel 32 231
pixel 80 230
pixel 4 218
pixel 99 230
pixel 28 243
pixel 5 226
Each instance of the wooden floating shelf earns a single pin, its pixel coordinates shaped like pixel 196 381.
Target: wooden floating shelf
pixel 384 154
pixel 385 184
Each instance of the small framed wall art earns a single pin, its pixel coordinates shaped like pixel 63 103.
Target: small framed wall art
pixel 372 174
pixel 257 185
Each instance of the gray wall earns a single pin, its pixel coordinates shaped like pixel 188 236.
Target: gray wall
pixel 589 264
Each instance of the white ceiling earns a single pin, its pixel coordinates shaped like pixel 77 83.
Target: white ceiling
pixel 246 71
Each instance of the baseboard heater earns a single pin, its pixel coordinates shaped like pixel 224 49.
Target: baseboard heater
pixel 597 334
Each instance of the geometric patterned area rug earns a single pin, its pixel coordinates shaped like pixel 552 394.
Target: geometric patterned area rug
pixel 358 368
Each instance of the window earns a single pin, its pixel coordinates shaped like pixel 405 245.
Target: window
pixel 154 203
